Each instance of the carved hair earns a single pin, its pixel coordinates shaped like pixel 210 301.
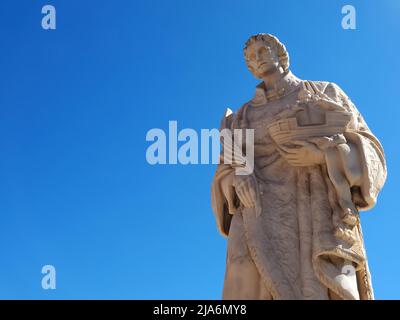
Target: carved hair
pixel 272 42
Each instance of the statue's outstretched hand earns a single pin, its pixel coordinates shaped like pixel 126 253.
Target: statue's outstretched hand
pixel 302 153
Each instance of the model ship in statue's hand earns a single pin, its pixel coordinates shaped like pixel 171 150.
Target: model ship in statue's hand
pixel 311 133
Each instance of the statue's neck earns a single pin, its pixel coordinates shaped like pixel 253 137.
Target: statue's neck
pixel 280 79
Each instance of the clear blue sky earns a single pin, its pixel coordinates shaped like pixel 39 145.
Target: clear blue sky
pixel 76 104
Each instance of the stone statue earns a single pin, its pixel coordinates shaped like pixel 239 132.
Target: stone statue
pixel 293 224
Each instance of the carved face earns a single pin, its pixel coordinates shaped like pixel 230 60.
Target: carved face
pixel 261 59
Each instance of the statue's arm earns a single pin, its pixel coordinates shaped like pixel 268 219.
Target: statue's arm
pixel 231 191
pixel 222 190
pixel 223 197
pixel 362 156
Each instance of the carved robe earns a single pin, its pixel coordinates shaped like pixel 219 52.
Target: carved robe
pixel 293 249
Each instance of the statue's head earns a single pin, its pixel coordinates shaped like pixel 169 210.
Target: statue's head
pixel 264 54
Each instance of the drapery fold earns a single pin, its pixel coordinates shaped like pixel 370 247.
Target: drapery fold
pixel 300 244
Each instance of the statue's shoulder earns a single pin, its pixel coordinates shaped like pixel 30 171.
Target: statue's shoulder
pixel 332 91
pixel 316 86
pixel 329 88
pixel 227 119
pixel 231 119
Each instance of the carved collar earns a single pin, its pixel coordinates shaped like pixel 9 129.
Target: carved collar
pixel 283 87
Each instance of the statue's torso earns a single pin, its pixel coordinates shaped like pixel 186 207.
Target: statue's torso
pixel 267 159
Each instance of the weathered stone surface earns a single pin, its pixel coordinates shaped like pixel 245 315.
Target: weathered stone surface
pixel 293 225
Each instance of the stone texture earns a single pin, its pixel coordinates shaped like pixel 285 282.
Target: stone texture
pixel 316 165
